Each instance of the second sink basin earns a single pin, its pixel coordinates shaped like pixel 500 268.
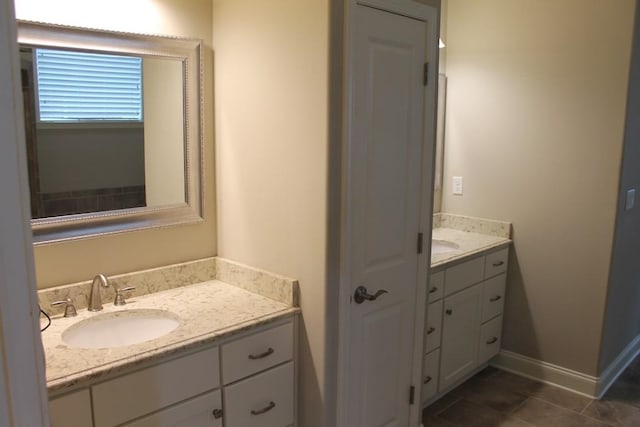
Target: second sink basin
pixel 442 246
pixel 120 328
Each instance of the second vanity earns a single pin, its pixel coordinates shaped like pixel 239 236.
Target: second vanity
pixel 465 300
pixel 232 357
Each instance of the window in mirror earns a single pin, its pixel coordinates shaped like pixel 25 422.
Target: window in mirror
pixel 87 87
pixel 88 110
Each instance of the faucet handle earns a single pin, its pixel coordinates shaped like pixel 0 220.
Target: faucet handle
pixel 69 308
pixel 119 297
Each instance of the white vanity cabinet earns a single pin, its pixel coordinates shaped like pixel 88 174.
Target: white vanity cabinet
pixel 193 412
pixel 469 318
pixel 243 381
pixel 461 328
pixel 433 336
pixel 71 410
pixel 140 393
pixel 258 379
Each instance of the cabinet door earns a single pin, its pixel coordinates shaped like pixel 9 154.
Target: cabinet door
pixel 148 390
pixel 202 411
pixel 264 400
pixel 460 335
pixel 71 410
pixel 433 330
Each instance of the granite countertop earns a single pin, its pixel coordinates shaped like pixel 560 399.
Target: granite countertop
pixel 207 311
pixel 469 243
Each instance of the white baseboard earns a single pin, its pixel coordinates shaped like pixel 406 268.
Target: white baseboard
pixel 618 366
pixel 547 373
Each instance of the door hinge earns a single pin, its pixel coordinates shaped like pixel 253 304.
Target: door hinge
pixel 412 395
pixel 420 240
pixel 425 74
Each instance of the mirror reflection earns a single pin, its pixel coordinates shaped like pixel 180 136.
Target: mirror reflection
pixel 104 131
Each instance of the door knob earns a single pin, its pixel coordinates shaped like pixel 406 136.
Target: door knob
pixel 361 295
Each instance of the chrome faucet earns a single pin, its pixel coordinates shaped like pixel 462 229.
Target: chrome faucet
pixel 95 301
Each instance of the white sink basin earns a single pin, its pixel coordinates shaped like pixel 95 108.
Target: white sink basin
pixel 120 328
pixel 442 246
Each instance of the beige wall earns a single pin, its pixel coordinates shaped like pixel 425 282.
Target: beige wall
pixel 67 262
pixel 535 116
pixel 271 93
pixel 622 318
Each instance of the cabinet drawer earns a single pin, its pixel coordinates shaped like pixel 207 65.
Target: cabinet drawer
pixel 257 352
pixel 435 290
pixel 463 275
pixel 265 400
pixel 198 411
pixel 430 368
pixel 490 337
pixel 142 392
pixel 496 262
pixel 493 297
pixel 71 410
pixel 433 328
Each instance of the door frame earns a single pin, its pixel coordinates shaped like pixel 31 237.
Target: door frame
pixel 23 394
pixel 423 12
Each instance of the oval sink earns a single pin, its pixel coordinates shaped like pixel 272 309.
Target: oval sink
pixel 442 246
pixel 120 328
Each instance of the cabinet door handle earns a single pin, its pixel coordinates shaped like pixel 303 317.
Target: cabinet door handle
pixel 261 355
pixel 494 299
pixel 448 311
pixel 217 413
pixel 498 263
pixel 427 380
pixel 434 289
pixel 267 408
pixel 492 340
pixel 431 330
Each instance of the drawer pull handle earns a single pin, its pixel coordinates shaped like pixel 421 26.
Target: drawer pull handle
pixel 494 299
pixel 427 380
pixel 492 340
pixel 267 408
pixel 449 311
pixel 431 330
pixel 498 263
pixel 434 289
pixel 269 352
pixel 217 413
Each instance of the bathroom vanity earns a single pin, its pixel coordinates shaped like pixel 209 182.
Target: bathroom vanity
pixel 465 299
pixel 231 360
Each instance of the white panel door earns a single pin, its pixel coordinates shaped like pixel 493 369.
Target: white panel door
pixel 384 161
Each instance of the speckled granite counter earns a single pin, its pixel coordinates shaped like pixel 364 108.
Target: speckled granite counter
pixel 472 235
pixel 468 244
pixel 208 311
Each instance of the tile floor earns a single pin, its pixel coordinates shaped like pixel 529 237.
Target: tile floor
pixel 495 398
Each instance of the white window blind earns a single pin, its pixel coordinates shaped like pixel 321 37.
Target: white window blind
pixel 78 86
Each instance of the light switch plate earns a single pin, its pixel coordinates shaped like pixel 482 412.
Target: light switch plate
pixel 631 199
pixel 457 185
